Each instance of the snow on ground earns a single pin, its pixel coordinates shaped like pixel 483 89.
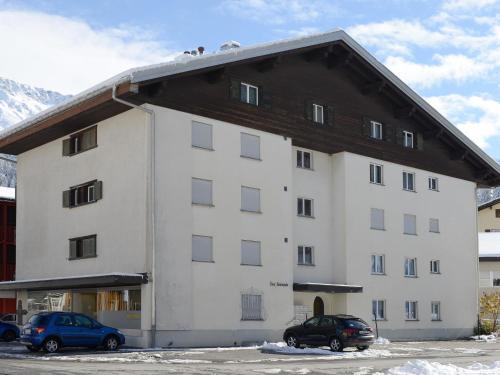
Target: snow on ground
pixel 420 367
pixel 281 371
pixel 381 341
pixel 486 338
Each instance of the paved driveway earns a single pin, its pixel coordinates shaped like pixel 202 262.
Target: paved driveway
pixel 15 359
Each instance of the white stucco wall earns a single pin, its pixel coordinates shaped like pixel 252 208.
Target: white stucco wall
pixel 486 218
pixel 202 301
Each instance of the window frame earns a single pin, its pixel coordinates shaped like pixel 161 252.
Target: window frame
pixel 373 173
pixel 438 304
pixel 301 165
pixel 74 194
pixel 315 108
pixel 80 240
pixel 249 317
pixel 407 179
pixel 247 87
pixel 372 226
pixel 195 123
pixel 405 134
pixel 302 249
pixel 259 209
pixel 374 264
pixel 259 264
pixel 430 183
pixel 211 204
pixel 404 225
pixel 211 249
pixel 303 206
pixel 75 141
pixel 408 310
pixel 375 305
pixel 374 125
pixel 246 156
pixel 433 270
pixel 407 268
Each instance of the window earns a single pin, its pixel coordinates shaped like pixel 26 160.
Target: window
pixel 376 174
pixel 250 146
pixel 250 253
pixel 82 247
pixel 251 307
pixel 435 310
pixel 434 225
pixel 82 321
pixel 313 322
pixel 410 224
pixel 88 192
pixel 201 192
pixel 318 114
pixel 407 139
pixel 409 181
pixel 411 267
pixel 305 207
pixel 304 159
pixel 435 266
pixel 378 309
pixel 202 248
pixel 64 320
pixel 80 142
pixel 249 94
pixel 11 255
pixel 250 199
pixel 305 255
pixel 377 219
pixel 433 183
pixel 376 130
pixel 411 310
pixel 11 215
pixel 201 135
pixel 378 264
pixel 497 212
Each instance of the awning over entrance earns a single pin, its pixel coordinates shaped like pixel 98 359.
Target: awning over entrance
pixel 87 281
pixel 327 288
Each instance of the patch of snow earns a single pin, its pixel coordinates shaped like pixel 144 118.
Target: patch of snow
pixel 280 371
pixel 468 350
pixel 421 367
pixel 381 341
pixel 484 338
pixel 406 349
pixel 363 371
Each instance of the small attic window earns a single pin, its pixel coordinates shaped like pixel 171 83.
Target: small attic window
pixel 80 142
pixel 249 93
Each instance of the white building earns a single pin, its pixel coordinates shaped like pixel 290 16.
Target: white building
pixel 251 189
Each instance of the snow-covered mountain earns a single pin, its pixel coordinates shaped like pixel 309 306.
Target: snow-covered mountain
pixel 18 102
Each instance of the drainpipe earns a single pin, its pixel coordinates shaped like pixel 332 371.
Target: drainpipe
pixel 152 207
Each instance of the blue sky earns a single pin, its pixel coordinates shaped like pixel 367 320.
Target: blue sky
pixel 448 51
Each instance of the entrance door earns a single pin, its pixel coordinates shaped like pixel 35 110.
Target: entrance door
pixel 319 306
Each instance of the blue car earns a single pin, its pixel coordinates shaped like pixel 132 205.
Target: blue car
pixel 51 331
pixel 8 332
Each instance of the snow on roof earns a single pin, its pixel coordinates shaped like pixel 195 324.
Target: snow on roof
pixel 489 244
pixel 181 65
pixel 7 193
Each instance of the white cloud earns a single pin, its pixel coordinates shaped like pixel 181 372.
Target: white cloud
pixel 456 68
pixel 477 116
pixel 68 55
pixel 279 12
pixel 467 5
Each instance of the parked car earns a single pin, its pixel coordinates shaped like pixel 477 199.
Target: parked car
pixel 9 318
pixel 336 331
pixel 51 331
pixel 8 331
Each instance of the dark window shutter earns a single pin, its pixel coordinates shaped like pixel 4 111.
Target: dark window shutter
pixel 66 147
pixel 97 190
pixel 388 132
pixel 89 138
pixel 72 249
pixel 330 115
pixel 399 136
pixel 89 247
pixel 419 138
pixel 234 90
pixel 66 198
pixel 308 110
pixel 325 115
pixel 366 127
pixel 265 98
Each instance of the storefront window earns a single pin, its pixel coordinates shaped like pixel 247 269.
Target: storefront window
pixel 48 301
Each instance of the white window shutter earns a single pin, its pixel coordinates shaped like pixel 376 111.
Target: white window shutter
pixel 201 191
pixel 202 248
pixel 250 146
pixel 201 135
pixel 250 253
pixel 250 199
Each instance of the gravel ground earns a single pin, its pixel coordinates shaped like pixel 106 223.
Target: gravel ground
pixel 15 359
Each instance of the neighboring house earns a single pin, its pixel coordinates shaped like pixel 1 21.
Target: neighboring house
pixel 272 183
pixel 7 246
pixel 489 262
pixel 488 217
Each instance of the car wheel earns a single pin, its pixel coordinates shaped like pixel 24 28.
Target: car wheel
pixel 362 348
pixel 9 336
pixel 51 345
pixel 32 348
pixel 336 345
pixel 292 341
pixel 111 343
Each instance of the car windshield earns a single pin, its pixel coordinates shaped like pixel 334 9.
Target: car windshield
pixel 355 323
pixel 38 320
pixel 313 322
